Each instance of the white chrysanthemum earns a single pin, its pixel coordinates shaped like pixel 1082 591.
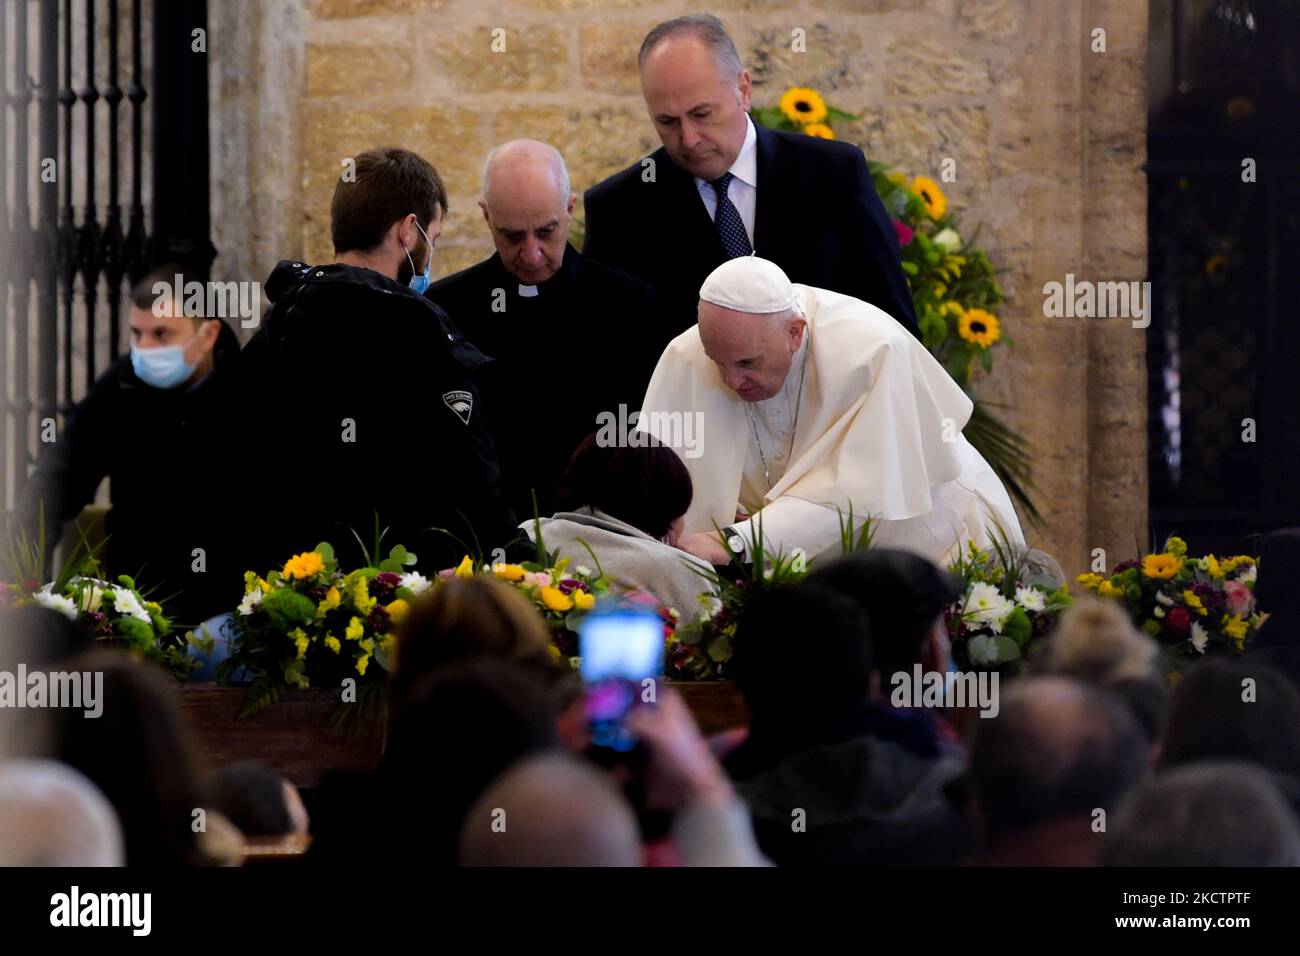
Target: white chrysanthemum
pixel 582 570
pixel 1164 599
pixel 948 240
pixel 987 605
pixel 1249 576
pixel 1031 599
pixel 46 597
pixel 127 603
pixel 709 608
pixel 1200 637
pixel 92 595
pixel 417 582
pixel 251 602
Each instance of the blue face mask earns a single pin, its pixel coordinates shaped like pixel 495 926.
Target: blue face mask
pixel 162 367
pixel 421 282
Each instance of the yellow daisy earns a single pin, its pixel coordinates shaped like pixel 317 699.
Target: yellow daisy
pixel 303 566
pixel 803 106
pixel 820 130
pixel 556 600
pixel 509 572
pixel 979 327
pixel 936 203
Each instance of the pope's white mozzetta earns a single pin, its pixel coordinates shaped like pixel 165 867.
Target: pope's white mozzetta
pixel 865 417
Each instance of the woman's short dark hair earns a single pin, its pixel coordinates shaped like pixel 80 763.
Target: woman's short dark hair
pixel 647 487
pixel 390 184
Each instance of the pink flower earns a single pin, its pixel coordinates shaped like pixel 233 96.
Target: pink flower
pixel 447 573
pixel 1240 599
pixel 537 579
pixel 905 232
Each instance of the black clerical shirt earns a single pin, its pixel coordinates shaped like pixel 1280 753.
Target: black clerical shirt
pixel 566 350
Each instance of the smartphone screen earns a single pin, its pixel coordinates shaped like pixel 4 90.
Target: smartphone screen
pixel 619 648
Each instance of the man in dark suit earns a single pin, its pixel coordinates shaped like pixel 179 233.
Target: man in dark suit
pixel 550 318
pixel 722 187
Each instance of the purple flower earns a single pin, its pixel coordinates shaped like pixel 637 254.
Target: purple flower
pixel 569 585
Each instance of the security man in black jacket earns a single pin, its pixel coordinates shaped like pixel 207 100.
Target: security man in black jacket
pixel 362 404
pixel 155 424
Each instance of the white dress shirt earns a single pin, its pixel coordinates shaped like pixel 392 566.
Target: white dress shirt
pixel 743 189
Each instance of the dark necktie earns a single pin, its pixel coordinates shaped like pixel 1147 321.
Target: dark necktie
pixel 731 229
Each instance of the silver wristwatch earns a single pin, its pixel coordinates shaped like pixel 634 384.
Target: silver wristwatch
pixel 735 543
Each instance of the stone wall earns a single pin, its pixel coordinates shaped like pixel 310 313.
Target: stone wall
pixel 1048 137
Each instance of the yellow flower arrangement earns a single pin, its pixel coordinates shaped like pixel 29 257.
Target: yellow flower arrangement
pixel 1213 567
pixel 1195 603
pixel 362 663
pixel 556 600
pixel 1108 590
pixel 303 566
pixel 333 643
pixel 979 327
pixel 509 572
pixel 803 106
pixel 936 203
pixel 1161 566
pixel 1235 626
pixel 820 130
pixel 361 596
pixel 355 629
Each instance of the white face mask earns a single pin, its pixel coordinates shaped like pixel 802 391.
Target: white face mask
pixel 163 366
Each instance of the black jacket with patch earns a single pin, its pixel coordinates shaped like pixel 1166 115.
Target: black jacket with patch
pixel 362 403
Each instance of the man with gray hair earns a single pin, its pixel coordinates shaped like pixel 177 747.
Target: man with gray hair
pixel 722 187
pixel 544 313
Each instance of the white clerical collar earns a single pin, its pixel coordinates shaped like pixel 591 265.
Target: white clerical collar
pixel 745 168
pixel 527 291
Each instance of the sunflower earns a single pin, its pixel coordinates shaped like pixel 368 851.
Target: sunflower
pixel 936 204
pixel 979 327
pixel 820 130
pixel 803 106
pixel 1161 566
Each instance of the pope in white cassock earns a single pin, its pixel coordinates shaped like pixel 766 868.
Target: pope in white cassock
pixel 805 401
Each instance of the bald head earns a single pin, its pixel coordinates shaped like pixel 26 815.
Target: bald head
pixel 1056 749
pixel 753 352
pixel 528 206
pixel 550 810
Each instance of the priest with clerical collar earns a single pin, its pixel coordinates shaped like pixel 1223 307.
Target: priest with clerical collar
pixel 570 338
pixel 810 403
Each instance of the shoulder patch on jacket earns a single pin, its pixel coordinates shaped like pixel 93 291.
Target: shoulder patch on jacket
pixel 460 402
